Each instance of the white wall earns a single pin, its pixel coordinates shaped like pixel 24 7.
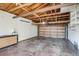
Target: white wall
pixel 8 25
pixel 68 8
pixel 73 26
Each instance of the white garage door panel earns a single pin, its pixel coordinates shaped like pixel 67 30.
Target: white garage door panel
pixel 55 31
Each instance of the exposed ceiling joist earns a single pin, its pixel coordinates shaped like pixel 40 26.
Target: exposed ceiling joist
pixel 67 16
pixel 18 7
pixel 67 13
pixel 36 11
pixel 56 22
pixel 28 11
pixel 45 9
pixel 42 10
pixel 59 22
pixel 56 17
pixel 8 6
pixel 36 5
pixel 42 5
pixel 31 13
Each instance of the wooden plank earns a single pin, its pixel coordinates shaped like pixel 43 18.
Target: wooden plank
pixel 36 9
pixel 35 6
pixel 53 14
pixel 45 9
pixel 29 11
pixel 53 17
pixel 56 22
pixel 42 10
pixel 59 22
pixel 18 7
pixel 41 6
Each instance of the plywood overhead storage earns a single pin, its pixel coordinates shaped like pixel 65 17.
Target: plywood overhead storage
pixel 37 12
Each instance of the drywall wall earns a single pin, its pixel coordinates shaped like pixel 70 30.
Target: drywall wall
pixel 73 26
pixel 73 34
pixel 68 8
pixel 22 26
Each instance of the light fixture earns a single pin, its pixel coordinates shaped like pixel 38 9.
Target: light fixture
pixel 43 22
pixel 17 4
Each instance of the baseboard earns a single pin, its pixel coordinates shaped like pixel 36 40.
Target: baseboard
pixel 27 39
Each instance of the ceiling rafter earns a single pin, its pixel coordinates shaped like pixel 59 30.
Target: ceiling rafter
pixel 18 7
pixel 12 5
pixel 42 5
pixel 58 13
pixel 45 9
pixel 56 17
pixel 28 11
pixel 59 22
pixel 31 13
pixel 67 16
pixel 42 10
pixel 8 5
pixel 36 11
pixel 36 5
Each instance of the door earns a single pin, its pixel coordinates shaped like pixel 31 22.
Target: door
pixel 54 31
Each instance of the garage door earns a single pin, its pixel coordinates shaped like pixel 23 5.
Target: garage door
pixel 54 31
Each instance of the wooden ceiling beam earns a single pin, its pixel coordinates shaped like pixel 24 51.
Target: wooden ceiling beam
pixel 18 7
pixel 60 22
pixel 8 5
pixel 36 9
pixel 35 6
pixel 54 17
pixel 45 9
pixel 42 10
pixel 55 22
pixel 52 20
pixel 54 14
pixel 29 11
pixel 41 6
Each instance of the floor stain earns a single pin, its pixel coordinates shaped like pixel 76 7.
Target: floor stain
pixel 39 47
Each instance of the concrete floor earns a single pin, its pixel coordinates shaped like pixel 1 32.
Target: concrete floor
pixel 39 47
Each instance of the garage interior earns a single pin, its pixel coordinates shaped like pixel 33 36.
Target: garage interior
pixel 39 29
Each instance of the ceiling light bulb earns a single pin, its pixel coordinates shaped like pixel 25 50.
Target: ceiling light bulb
pixel 43 22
